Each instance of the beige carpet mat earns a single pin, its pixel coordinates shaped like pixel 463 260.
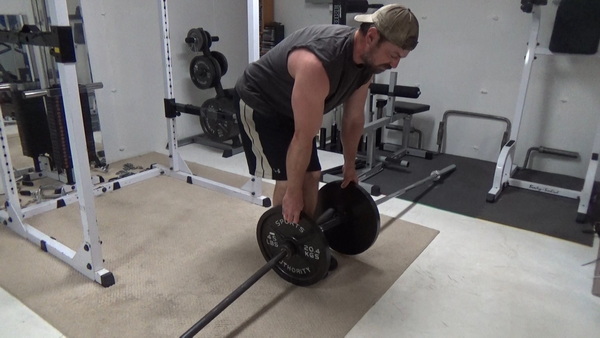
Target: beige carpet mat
pixel 176 250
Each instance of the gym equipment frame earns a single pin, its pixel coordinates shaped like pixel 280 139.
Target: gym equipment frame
pixel 87 258
pixel 404 111
pixel 448 113
pixel 396 110
pixel 505 168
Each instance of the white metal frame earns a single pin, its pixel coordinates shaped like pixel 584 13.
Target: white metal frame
pixel 505 167
pixel 253 30
pixel 87 258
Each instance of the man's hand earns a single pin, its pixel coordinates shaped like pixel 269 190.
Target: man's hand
pixel 291 205
pixel 349 174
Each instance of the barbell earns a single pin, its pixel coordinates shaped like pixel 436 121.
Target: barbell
pixel 349 223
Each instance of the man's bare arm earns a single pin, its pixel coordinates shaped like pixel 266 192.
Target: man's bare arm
pixel 311 86
pixel 353 122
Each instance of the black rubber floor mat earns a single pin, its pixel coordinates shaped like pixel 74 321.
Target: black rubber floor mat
pixel 465 190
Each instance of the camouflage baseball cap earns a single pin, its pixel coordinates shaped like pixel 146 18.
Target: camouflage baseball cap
pixel 397 24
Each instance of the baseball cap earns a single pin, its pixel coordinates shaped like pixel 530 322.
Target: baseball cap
pixel 397 23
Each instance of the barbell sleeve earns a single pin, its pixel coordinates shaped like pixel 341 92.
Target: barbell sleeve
pixel 434 176
pixel 328 219
pixel 212 314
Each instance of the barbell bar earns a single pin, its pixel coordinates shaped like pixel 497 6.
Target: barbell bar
pixel 434 176
pixel 299 252
pixel 212 314
pixel 292 244
pixel 350 218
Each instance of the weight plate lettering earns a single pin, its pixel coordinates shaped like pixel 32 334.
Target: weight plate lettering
pixel 309 262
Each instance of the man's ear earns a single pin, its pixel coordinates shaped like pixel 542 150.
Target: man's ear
pixel 372 36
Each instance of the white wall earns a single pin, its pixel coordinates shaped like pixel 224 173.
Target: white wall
pixel 124 40
pixel 470 57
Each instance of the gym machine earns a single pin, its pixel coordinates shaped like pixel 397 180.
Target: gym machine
pixel 349 223
pixel 401 111
pixel 37 143
pixel 505 168
pixel 40 119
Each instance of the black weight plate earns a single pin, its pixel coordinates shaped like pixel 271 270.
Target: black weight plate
pixel 222 60
pixel 217 69
pixel 208 38
pixel 195 39
pixel 359 226
pixel 218 120
pixel 310 258
pixel 203 72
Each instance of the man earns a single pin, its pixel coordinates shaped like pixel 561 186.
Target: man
pixel 284 95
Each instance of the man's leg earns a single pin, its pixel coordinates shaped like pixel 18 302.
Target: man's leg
pixel 266 139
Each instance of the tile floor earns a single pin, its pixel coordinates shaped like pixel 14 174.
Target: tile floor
pixel 476 279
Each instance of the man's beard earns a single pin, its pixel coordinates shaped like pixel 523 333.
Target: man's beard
pixel 370 65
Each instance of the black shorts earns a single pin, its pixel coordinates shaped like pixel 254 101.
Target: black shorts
pixel 266 139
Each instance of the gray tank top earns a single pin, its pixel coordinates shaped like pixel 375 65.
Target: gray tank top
pixel 266 84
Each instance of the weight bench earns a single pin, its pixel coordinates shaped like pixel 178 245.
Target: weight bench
pixel 396 111
pixel 406 110
pixel 369 163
